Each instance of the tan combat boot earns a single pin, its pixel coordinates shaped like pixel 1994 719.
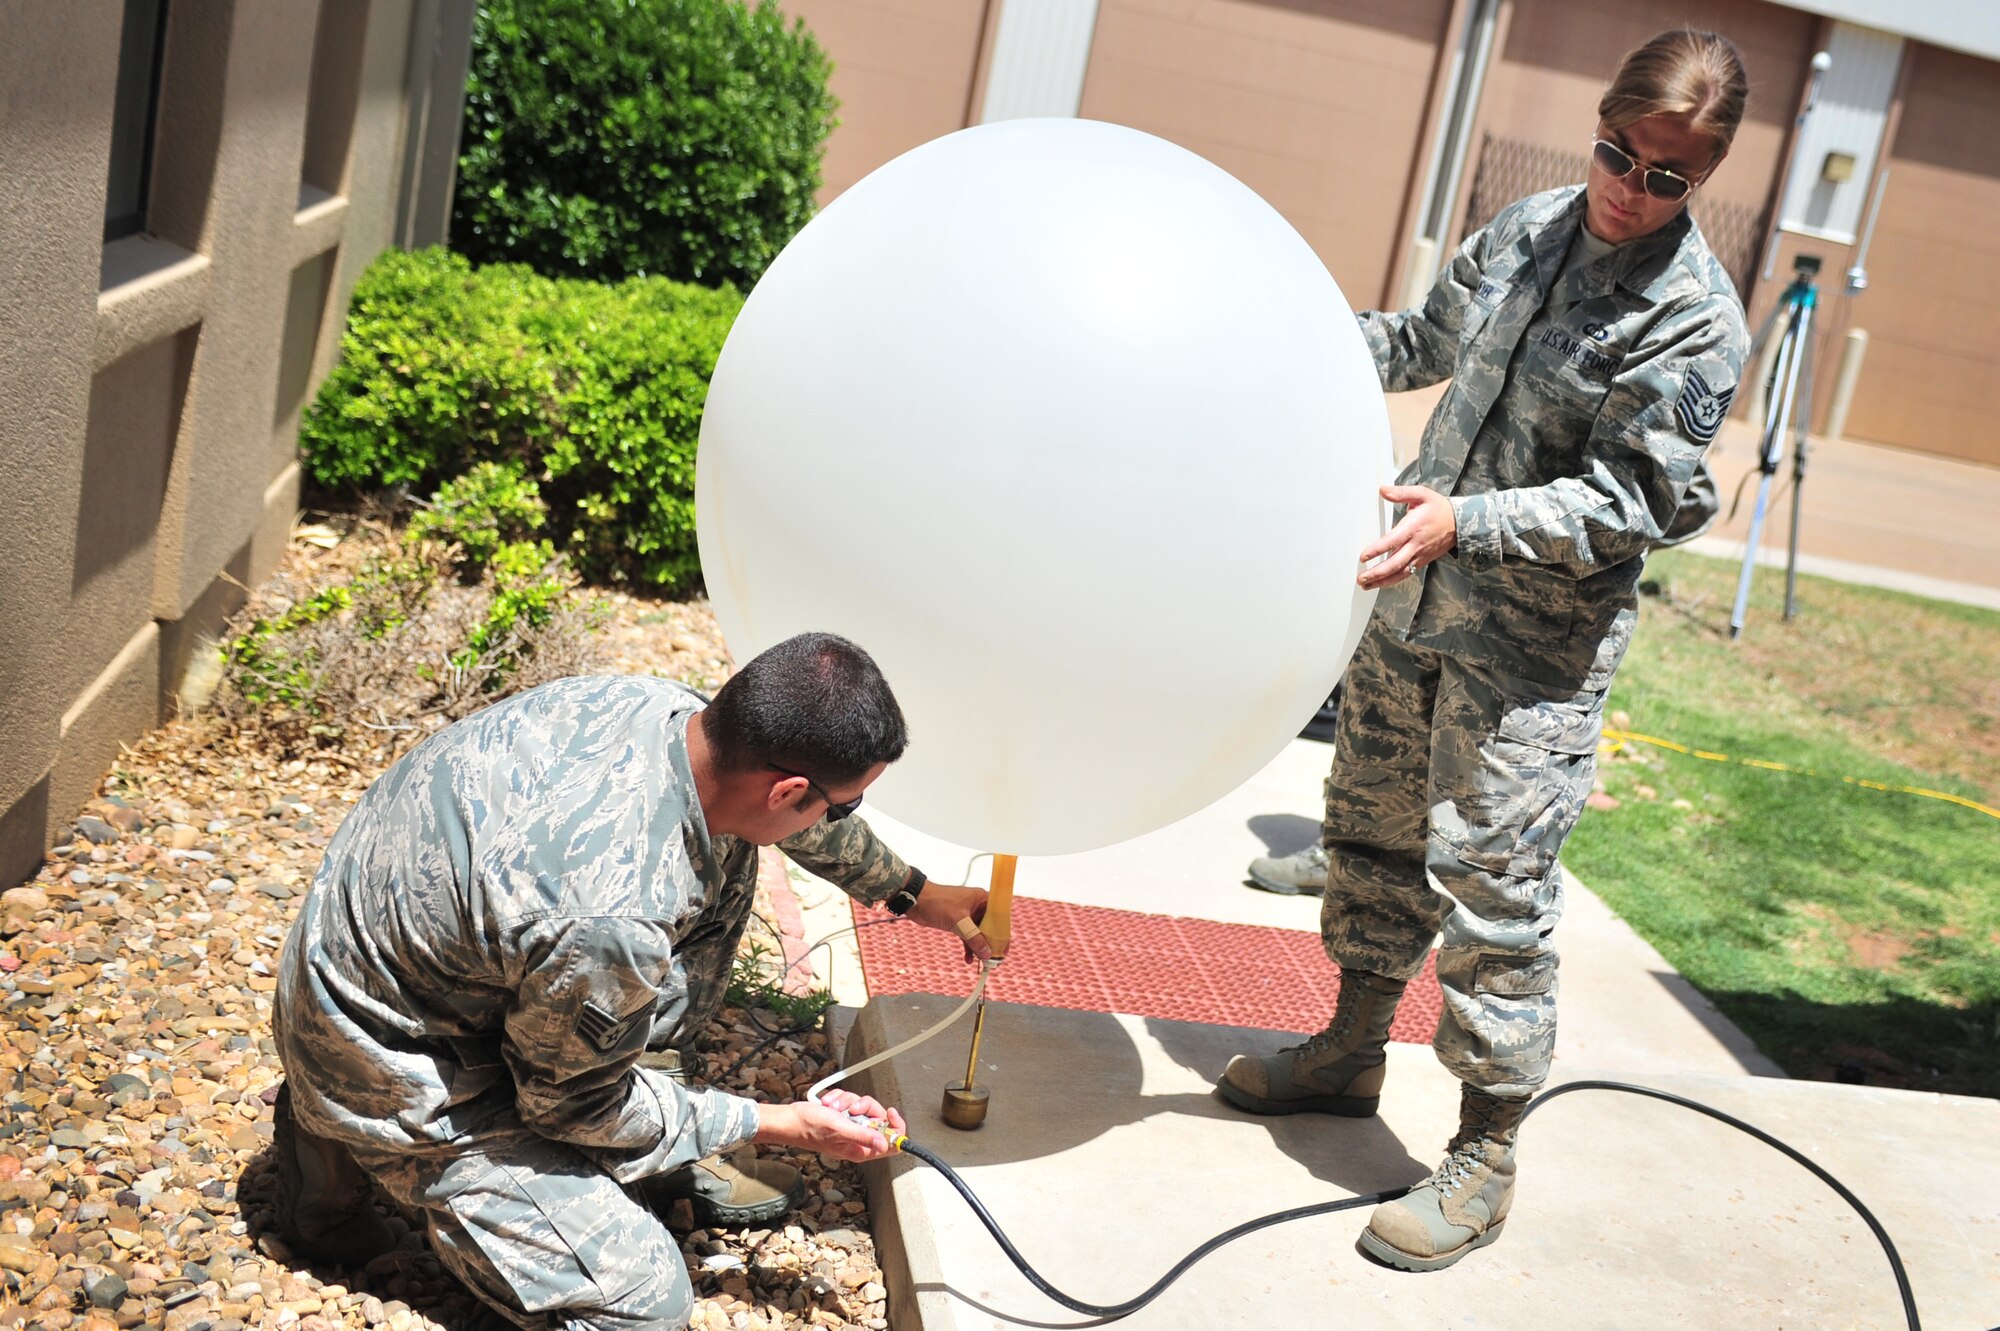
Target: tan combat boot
pixel 325 1205
pixel 1338 1071
pixel 1463 1204
pixel 730 1192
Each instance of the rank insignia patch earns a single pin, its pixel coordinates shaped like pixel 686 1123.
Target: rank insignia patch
pixel 1702 408
pixel 601 1030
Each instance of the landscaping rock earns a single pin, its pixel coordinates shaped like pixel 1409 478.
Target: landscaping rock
pixel 96 830
pixel 137 1071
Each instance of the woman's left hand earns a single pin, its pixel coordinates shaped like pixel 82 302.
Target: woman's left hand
pixel 1427 533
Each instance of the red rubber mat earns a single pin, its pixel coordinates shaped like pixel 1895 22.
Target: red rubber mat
pixel 1094 959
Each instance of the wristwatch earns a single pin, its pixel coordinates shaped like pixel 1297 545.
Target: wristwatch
pixel 904 898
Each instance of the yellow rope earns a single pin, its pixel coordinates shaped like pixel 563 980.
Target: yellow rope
pixel 1615 739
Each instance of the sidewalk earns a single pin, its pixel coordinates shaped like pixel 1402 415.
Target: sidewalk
pixel 1107 1158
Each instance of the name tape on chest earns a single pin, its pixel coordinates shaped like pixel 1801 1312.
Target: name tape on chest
pixel 1490 292
pixel 1701 407
pixel 1577 351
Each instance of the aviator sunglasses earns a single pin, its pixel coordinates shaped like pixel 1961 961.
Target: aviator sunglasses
pixel 1658 181
pixel 834 812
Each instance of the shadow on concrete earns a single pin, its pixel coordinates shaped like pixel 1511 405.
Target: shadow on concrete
pixel 1047 1159
pixel 1283 833
pixel 1725 1032
pixel 1060 1078
pixel 1356 1155
pixel 1353 1157
pixel 1903 1043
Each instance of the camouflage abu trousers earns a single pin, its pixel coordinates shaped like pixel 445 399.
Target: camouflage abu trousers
pixel 534 1227
pixel 1451 793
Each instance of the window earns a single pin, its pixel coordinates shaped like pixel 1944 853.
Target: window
pixel 132 115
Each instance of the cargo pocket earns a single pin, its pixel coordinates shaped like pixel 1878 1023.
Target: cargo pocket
pixel 1561 742
pixel 515 1239
pixel 1502 975
pixel 1511 794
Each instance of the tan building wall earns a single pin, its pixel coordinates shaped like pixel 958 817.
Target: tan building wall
pixel 1319 108
pixel 1934 268
pixel 903 71
pixel 150 386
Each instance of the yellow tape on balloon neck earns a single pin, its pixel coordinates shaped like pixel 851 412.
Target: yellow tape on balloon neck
pixel 998 923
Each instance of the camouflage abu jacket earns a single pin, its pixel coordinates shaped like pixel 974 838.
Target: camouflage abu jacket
pixel 1576 415
pixel 495 925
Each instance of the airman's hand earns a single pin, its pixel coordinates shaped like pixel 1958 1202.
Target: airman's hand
pixel 945 905
pixel 1427 533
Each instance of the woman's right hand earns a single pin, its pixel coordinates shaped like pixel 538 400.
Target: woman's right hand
pixel 830 1132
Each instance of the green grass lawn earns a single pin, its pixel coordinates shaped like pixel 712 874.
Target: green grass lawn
pixel 1852 932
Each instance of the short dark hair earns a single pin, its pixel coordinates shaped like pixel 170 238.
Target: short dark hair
pixel 815 704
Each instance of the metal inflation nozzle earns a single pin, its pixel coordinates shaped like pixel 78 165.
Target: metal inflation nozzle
pixel 965 1105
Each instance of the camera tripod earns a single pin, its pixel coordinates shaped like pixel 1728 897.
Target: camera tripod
pixel 1787 407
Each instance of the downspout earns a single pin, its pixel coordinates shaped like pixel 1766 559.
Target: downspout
pixel 1439 203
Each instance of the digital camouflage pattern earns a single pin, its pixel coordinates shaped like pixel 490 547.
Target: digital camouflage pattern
pixel 1577 414
pixel 1580 405
pixel 509 918
pixel 1451 792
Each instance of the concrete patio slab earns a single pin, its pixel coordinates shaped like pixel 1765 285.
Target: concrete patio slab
pixel 1106 1158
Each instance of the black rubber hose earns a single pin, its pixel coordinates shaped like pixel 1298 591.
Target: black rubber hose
pixel 1132 1305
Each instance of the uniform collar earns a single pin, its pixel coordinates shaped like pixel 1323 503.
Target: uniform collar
pixel 694 823
pixel 1644 266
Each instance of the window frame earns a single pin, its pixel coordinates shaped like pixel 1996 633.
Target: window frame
pixel 132 221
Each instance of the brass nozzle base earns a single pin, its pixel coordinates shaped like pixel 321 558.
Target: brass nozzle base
pixel 965 1106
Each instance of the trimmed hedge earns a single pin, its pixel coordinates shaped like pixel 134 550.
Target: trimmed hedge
pixel 591 393
pixel 611 138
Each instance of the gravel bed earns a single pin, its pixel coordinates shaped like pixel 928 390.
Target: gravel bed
pixel 138 1072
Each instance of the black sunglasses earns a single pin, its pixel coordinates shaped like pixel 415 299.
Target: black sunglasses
pixel 1658 181
pixel 834 812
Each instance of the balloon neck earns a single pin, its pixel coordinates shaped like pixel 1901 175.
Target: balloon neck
pixel 998 924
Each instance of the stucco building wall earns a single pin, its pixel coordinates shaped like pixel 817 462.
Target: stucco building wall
pixel 150 386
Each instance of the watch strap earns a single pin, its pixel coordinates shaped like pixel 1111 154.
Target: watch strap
pixel 904 899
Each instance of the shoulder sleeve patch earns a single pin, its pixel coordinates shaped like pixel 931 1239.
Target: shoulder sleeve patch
pixel 605 1031
pixel 1701 408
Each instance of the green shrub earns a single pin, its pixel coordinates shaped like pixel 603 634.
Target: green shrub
pixel 490 507
pixel 757 980
pixel 587 399
pixel 611 138
pixel 529 582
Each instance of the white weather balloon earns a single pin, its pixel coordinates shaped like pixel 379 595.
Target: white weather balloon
pixel 1075 435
